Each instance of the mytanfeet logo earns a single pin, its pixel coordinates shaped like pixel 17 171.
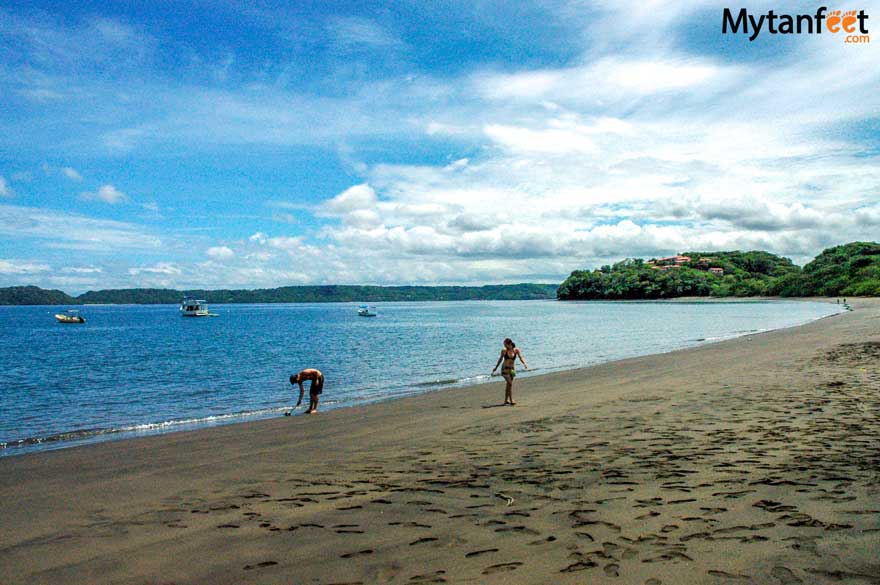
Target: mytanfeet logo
pixel 852 25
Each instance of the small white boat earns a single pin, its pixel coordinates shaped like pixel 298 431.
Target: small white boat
pixel 367 311
pixel 70 316
pixel 195 308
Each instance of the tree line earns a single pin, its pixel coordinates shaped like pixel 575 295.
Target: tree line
pixel 848 270
pixel 32 295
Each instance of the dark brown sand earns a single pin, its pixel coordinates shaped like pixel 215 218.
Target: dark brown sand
pixel 755 460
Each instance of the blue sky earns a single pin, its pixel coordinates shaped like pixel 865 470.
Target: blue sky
pixel 261 144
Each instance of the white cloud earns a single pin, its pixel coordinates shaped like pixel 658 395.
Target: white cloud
pixel 358 197
pixel 363 219
pixel 286 243
pixel 63 230
pixel 284 217
pixel 5 189
pixel 71 174
pixel 164 268
pixel 608 78
pixel 545 141
pixel 220 253
pixel 457 165
pixel 107 194
pixel 349 33
pixel 75 281
pixel 22 267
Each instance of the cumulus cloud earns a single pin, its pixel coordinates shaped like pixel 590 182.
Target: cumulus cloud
pixel 357 197
pixel 220 253
pixel 107 194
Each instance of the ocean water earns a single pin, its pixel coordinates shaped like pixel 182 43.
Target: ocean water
pixel 134 370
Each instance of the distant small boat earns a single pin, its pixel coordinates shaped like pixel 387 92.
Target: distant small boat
pixel 70 316
pixel 367 311
pixel 195 308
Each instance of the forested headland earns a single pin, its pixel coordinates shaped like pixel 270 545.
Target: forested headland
pixel 848 270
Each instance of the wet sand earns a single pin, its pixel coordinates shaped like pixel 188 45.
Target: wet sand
pixel 755 460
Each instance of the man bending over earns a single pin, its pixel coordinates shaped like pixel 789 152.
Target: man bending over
pixel 315 389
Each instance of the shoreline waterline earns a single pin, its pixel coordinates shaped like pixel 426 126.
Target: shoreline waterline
pixel 79 437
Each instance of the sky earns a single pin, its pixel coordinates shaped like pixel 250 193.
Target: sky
pixel 258 144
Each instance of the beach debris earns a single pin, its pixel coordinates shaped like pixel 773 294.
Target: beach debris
pixel 505 497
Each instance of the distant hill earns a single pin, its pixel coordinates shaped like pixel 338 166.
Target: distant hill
pixel 32 295
pixel 852 269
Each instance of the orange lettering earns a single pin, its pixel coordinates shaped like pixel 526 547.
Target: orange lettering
pixel 833 22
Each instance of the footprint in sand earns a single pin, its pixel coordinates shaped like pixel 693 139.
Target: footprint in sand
pixel 477 553
pixel 612 570
pixel 359 553
pixel 260 565
pixel 518 529
pixel 579 566
pixel 785 575
pixel 502 568
pixel 435 577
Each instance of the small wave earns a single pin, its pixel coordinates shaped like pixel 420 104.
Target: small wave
pixel 466 380
pixel 80 434
pixel 445 382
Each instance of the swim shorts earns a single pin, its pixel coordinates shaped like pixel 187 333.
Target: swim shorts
pixel 317 386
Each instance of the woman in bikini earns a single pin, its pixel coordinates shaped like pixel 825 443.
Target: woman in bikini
pixel 508 370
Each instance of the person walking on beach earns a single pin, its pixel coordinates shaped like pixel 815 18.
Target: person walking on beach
pixel 315 388
pixel 508 355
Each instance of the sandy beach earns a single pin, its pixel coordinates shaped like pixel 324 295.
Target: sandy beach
pixel 754 460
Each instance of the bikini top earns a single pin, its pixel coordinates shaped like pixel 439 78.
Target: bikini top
pixel 507 355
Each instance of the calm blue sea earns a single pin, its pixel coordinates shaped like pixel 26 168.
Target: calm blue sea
pixel 133 370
